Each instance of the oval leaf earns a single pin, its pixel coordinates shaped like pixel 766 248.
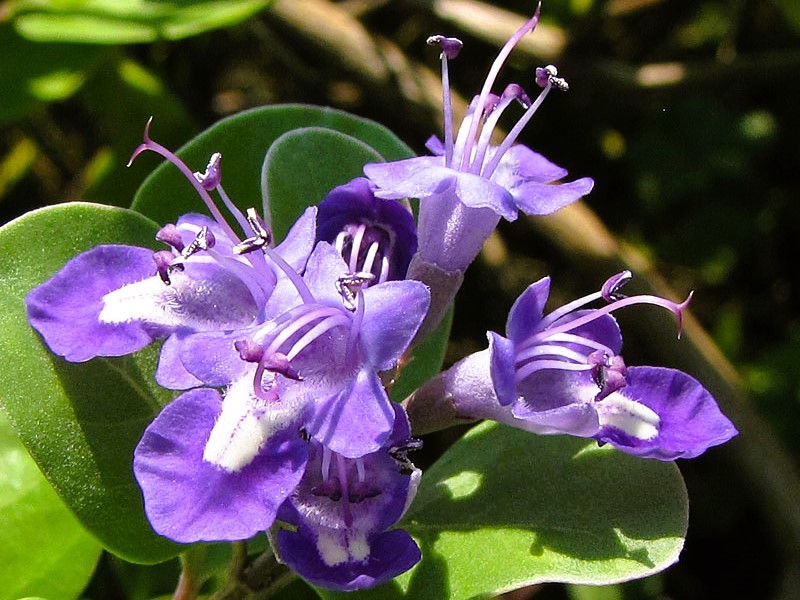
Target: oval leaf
pixel 529 509
pixel 243 140
pixel 303 165
pixel 80 422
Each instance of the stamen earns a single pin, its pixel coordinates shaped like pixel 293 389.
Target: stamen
pixel 400 454
pixel 350 285
pixel 369 261
pixel 341 471
pixel 541 365
pixel 149 144
pixel 279 363
pixel 384 274
pixel 326 463
pixel 295 325
pixel 512 135
pixel 568 308
pixel 560 338
pixel 166 265
pixel 260 240
pixel 316 331
pixel 339 242
pixel 450 49
pixel 202 241
pixel 358 237
pixel 674 308
pixel 492 76
pixel 546 77
pixel 554 350
pixel 515 93
pixel 608 373
pixel 169 234
pixel 211 177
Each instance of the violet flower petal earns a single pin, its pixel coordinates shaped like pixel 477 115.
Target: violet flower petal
pixel 690 420
pixel 527 311
pixel 66 309
pixel 389 554
pixel 189 499
pixel 355 421
pixel 535 198
pixel 501 366
pixel 393 311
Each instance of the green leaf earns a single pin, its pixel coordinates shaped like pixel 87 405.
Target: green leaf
pixel 126 21
pixel 45 551
pixel 243 140
pixel 303 165
pixel 80 422
pixel 503 509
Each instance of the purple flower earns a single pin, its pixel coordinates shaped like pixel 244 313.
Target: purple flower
pixel 561 373
pixel 214 468
pixel 469 184
pixel 373 235
pixel 326 346
pixel 334 529
pixel 113 300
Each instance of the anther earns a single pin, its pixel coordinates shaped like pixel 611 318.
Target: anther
pixel 170 235
pixel 547 76
pixel 608 372
pixel 279 363
pixel 514 90
pixel 211 177
pixel 350 285
pixel 450 46
pixel 262 237
pixel 400 454
pixel 166 265
pixel 202 241
pixel 249 351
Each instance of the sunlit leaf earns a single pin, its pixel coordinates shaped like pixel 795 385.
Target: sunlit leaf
pixel 126 21
pixel 503 509
pixel 80 422
pixel 45 551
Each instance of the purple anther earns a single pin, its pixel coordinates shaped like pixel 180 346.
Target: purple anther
pixel 279 363
pixel 492 100
pixel 608 372
pixel 249 351
pixel 514 90
pixel 212 176
pixel 450 46
pixel 164 266
pixel 170 235
pixel 548 77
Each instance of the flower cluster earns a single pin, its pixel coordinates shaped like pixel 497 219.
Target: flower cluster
pixel 281 352
pixel 286 422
